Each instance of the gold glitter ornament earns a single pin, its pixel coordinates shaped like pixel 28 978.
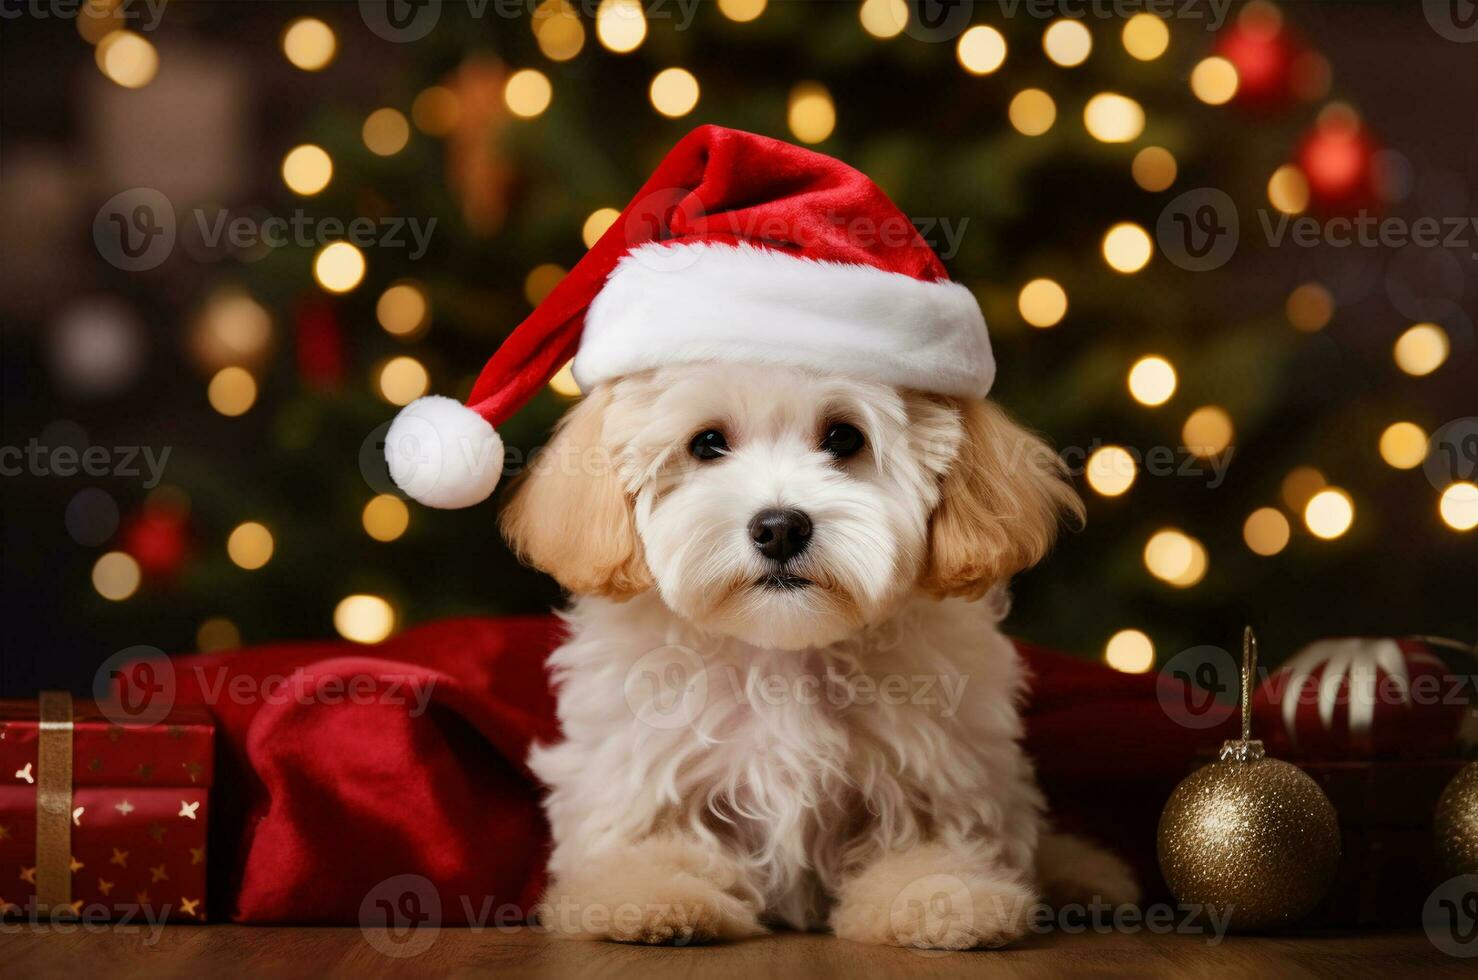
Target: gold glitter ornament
pixel 1456 822
pixel 1253 838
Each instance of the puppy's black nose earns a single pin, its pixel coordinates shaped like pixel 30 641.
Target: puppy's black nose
pixel 780 534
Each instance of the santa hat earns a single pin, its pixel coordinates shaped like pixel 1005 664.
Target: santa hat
pixel 740 248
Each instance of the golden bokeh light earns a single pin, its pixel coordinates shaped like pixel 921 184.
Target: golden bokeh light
pixel 1459 506
pixel 981 50
pixel 364 618
pixel 1214 81
pixel 1266 531
pixel 1299 486
pixel 811 113
pixel 1129 651
pixel 1329 513
pixel 527 93
pixel 232 391
pixel 1288 189
pixel 116 576
pixel 233 328
pixel 1146 37
pixel 1110 471
pixel 1175 557
pixel 1310 307
pixel 339 267
pixel 742 11
pixel 436 111
pixel 250 546
pixel 558 30
pixel 1403 445
pixel 1042 302
pixel 309 44
pixel 403 310
pixel 1032 112
pixel 1207 431
pixel 386 517
pixel 599 222
pixel 127 59
pixel 1113 118
pixel 540 282
pixel 1422 349
pixel 307 169
pixel 1152 380
pixel 217 634
pixel 883 19
pixel 620 25
pixel 402 380
pixel 1067 42
pixel 1127 247
pixel 1154 168
pixel 386 132
pixel 563 383
pixel 674 92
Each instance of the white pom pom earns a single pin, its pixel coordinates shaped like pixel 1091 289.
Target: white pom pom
pixel 443 454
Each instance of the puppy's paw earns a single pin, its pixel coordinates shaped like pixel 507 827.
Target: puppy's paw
pixel 1071 870
pixel 659 893
pixel 925 900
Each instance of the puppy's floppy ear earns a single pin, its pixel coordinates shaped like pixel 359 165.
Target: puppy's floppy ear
pixel 1001 502
pixel 569 515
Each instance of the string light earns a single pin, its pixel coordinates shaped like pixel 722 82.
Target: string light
pixel 620 25
pixel 742 11
pixel 232 391
pixel 1403 445
pixel 1288 189
pixel 386 132
pixel 116 576
pixel 403 310
pixel 1110 471
pixel 436 111
pixel 250 546
pixel 232 328
pixel 1067 43
pixel 674 92
pixel 1329 513
pixel 309 44
pixel 1300 485
pixel 1113 118
pixel 563 383
pixel 1152 380
pixel 883 19
pixel 597 225
pixel 127 59
pixel 402 380
pixel 1032 112
pixel 364 618
pixel 307 169
pixel 217 634
pixel 386 517
pixel 540 282
pixel 1175 557
pixel 527 93
pixel 558 30
pixel 339 267
pixel 1130 651
pixel 981 50
pixel 1459 506
pixel 1154 168
pixel 1127 247
pixel 1043 303
pixel 811 114
pixel 1145 36
pixel 1310 307
pixel 1214 81
pixel 1421 349
pixel 1207 431
pixel 1266 531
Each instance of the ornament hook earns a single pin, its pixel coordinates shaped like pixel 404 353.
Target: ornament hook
pixel 1246 748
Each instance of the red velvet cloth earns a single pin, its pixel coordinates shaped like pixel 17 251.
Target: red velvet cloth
pixel 332 781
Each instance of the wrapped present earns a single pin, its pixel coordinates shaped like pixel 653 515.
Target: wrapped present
pixel 103 817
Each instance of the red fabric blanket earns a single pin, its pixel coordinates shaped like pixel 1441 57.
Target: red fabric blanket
pixel 342 766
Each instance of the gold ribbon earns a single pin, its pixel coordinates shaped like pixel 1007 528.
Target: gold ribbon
pixel 54 803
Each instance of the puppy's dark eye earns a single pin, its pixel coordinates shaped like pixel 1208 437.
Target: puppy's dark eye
pixel 842 440
pixel 708 444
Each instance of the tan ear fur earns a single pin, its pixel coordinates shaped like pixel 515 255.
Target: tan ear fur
pixel 569 515
pixel 1002 501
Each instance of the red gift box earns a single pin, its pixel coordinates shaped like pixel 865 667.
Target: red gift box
pixel 103 817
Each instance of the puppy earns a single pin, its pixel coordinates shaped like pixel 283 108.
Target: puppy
pixel 785 697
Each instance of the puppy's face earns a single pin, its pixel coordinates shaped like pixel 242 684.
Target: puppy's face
pixel 784 508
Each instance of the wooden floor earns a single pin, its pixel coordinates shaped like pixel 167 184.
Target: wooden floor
pixel 211 951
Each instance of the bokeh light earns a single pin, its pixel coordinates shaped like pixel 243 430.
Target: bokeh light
pixel 386 517
pixel 558 30
pixel 1127 247
pixel 1422 349
pixel 250 545
pixel 436 111
pixel 1214 81
pixel 127 59
pixel 1154 168
pixel 1145 36
pixel 1403 445
pixel 742 11
pixel 309 44
pixel 1152 380
pixel 116 576
pixel 217 634
pixel 674 92
pixel 386 132
pixel 1310 307
pixel 599 222
pixel 1329 513
pixel 232 391
pixel 1113 118
pixel 563 383
pixel 1042 302
pixel 811 113
pixel 1129 651
pixel 1266 531
pixel 981 50
pixel 1176 558
pixel 1459 506
pixel 1207 431
pixel 307 169
pixel 1032 112
pixel 1288 189
pixel 339 267
pixel 620 25
pixel 403 310
pixel 883 19
pixel 1110 471
pixel 1299 486
pixel 1067 42
pixel 364 618
pixel 402 380
pixel 527 93
pixel 540 282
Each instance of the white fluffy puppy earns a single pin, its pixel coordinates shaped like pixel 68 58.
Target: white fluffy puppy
pixel 785 698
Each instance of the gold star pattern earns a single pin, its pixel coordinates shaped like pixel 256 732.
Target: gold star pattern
pixel 142 898
pixel 156 831
pixel 76 907
pixel 76 865
pixel 119 858
pixel 124 808
pixel 25 774
pixel 158 874
pixel 4 832
pixel 105 886
pixel 145 770
pixel 193 770
pixel 188 907
pixel 187 810
pixel 28 875
pixel 197 855
pixel 77 816
pixel 6 907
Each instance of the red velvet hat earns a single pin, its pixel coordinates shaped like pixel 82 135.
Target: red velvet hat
pixel 739 248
